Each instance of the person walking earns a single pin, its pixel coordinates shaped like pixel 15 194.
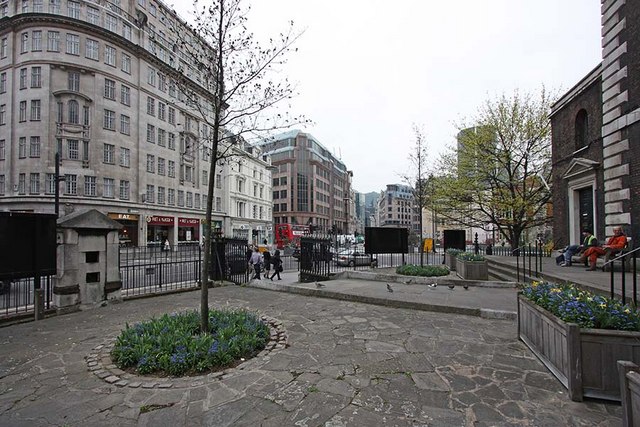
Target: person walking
pixel 266 256
pixel 256 261
pixel 277 265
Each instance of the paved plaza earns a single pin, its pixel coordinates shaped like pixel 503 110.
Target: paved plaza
pixel 340 363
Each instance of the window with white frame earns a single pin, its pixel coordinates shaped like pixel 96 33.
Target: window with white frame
pixel 36 77
pixel 125 157
pixel 24 42
pixel 50 183
pixel 218 207
pixel 171 144
pixel 111 23
pixel 151 106
pixel 53 41
pixel 150 196
pixel 3 82
pixel 180 198
pixel 125 61
pixel 35 109
pixel 124 190
pixel 73 149
pixel 196 201
pixel 125 95
pixel 151 163
pixel 93 15
pixel 172 116
pixel 34 147
pixel 3 149
pixel 3 114
pixel 90 186
pixel 36 40
pixel 125 124
pixel 22 147
pixel 109 120
pixel 171 196
pixel 109 154
pixel 109 89
pixel 71 184
pixel 171 169
pixel 151 76
pixel 73 44
pixel 162 137
pixel 23 78
pixel 126 31
pixel 22 114
pixel 92 49
pixel 110 55
pixel 73 9
pixel 21 183
pixel 189 199
pixel 161 192
pixel 108 187
pixel 74 112
pixel 240 207
pixel 73 81
pixel 161 166
pixel 2 185
pixel 3 47
pixel 162 108
pixel 151 133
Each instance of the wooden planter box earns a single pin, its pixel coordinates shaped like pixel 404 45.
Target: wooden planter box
pixel 450 261
pixel 472 270
pixel 584 360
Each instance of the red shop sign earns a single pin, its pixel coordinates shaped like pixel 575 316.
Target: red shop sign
pixel 188 222
pixel 159 220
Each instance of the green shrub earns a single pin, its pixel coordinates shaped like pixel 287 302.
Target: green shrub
pixel 470 256
pixel 575 305
pixel 454 252
pixel 174 345
pixel 426 271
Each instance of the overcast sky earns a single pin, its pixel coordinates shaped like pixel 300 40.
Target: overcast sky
pixel 367 70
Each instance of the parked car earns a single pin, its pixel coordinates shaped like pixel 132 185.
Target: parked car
pixel 352 257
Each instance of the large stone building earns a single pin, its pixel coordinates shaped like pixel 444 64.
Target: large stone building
pixel 94 82
pixel 396 208
pixel 310 184
pixel 596 136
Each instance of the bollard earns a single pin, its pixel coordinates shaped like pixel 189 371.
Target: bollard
pixel 39 304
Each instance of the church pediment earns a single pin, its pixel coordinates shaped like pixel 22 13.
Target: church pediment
pixel 580 166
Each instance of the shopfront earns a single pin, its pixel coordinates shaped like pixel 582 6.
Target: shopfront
pixel 188 230
pixel 128 235
pixel 159 228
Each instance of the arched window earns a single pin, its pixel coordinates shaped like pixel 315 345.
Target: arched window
pixel 582 129
pixel 74 112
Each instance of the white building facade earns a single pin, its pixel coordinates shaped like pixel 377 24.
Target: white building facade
pixel 92 81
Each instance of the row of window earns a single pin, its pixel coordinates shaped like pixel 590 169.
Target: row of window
pixel 36 79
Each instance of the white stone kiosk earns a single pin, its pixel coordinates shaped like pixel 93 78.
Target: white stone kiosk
pixel 87 261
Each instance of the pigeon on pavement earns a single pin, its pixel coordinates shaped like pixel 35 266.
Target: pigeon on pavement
pixel 433 285
pixel 389 288
pixel 319 285
pixel 466 287
pixel 451 286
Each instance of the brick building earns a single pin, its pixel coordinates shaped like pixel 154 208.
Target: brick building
pixel 596 136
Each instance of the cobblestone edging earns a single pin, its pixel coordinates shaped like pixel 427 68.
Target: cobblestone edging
pixel 99 362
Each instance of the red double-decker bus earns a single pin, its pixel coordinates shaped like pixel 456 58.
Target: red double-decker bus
pixel 289 234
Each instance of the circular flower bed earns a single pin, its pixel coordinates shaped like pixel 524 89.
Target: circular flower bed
pixel 575 305
pixel 174 345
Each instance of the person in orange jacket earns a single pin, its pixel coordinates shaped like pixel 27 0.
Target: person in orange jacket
pixel 615 244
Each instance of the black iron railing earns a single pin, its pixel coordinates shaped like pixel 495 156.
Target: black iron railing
pixel 624 258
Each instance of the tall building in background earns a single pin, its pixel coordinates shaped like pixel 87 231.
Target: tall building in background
pixel 396 208
pixel 370 209
pixel 92 81
pixel 310 185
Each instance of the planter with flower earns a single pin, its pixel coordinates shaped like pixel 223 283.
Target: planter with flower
pixel 450 258
pixel 579 336
pixel 470 266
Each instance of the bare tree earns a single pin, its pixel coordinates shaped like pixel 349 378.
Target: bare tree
pixel 232 83
pixel 499 172
pixel 417 178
